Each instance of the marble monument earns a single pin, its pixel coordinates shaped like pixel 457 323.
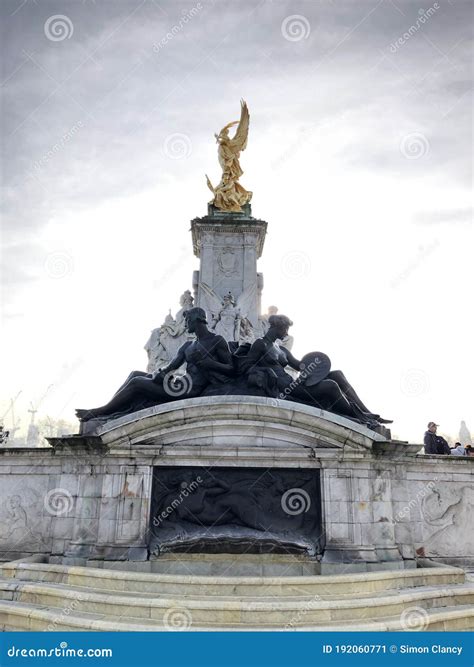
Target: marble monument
pixel 228 443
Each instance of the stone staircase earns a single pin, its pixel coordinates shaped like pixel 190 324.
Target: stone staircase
pixel 46 596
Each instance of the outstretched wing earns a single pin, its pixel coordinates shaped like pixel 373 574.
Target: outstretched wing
pixel 239 142
pixel 212 301
pixel 209 185
pixel 246 300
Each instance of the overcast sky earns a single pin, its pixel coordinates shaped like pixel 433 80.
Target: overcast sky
pixel 359 157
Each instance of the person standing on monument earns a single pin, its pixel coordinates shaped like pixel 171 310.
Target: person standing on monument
pixel 435 444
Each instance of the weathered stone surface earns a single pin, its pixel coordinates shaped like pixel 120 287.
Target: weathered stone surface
pixel 90 498
pixel 228 247
pixel 40 596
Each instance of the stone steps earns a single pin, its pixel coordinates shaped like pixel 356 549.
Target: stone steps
pixel 246 564
pixel 329 587
pixel 259 593
pixel 35 596
pixel 10 588
pixel 15 616
pixel 247 611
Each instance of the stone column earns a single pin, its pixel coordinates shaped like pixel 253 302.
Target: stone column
pixel 345 549
pixel 249 278
pixel 124 513
pixel 383 517
pixel 206 269
pixel 359 520
pixel 86 517
pixel 228 246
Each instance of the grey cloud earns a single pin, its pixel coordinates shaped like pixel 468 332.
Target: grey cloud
pixel 129 95
pixel 459 215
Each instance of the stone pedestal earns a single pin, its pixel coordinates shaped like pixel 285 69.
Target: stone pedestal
pixel 228 246
pixel 377 503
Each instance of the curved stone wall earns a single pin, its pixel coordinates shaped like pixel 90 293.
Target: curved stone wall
pixel 223 421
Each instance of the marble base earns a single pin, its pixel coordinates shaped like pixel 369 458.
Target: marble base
pixel 88 497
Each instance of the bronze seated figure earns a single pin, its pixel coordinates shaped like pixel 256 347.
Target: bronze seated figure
pixel 213 368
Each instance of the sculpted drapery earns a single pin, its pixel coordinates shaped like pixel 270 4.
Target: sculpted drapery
pixel 230 195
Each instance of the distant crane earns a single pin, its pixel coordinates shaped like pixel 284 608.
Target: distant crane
pixel 15 423
pixel 32 438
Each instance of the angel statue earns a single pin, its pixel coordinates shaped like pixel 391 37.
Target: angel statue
pixel 229 195
pixel 229 316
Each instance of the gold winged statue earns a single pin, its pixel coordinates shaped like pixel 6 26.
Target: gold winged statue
pixel 229 195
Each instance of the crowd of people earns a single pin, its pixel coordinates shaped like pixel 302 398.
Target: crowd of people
pixel 436 444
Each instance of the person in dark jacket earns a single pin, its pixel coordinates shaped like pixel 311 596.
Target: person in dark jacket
pixel 435 444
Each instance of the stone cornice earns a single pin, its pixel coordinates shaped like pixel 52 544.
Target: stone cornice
pixel 245 422
pixel 200 226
